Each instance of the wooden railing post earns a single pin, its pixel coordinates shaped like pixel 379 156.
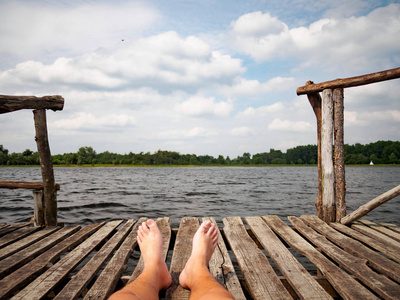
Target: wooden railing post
pixel 315 101
pixel 331 202
pixel 328 177
pixel 49 190
pixel 38 205
pixel 340 180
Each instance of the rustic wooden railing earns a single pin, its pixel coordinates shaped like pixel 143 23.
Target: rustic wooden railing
pixel 329 111
pixel 45 197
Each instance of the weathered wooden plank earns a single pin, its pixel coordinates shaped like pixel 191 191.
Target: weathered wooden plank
pixel 375 260
pixel 165 229
pixel 386 249
pixel 17 235
pixel 15 184
pixel 107 281
pixel 260 277
pixel 344 284
pixel 390 226
pixel 29 271
pixel 222 269
pixel 27 248
pixel 377 236
pixel 380 284
pixel 181 254
pixel 13 103
pixel 49 279
pixel 77 284
pixel 25 242
pixel 7 229
pixel 382 229
pixel 350 82
pixel 300 280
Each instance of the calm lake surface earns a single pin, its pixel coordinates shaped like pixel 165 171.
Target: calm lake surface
pixel 97 194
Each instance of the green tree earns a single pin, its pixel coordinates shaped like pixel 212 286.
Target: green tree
pixel 393 158
pixel 86 155
pixel 3 155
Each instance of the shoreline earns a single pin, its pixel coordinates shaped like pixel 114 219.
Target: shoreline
pixel 190 166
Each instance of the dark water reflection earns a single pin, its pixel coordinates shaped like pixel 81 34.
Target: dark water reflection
pixel 90 195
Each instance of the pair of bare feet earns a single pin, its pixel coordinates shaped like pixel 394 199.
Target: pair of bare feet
pixel 155 276
pixel 204 242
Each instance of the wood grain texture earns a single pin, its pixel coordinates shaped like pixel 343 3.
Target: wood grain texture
pixel 340 178
pixel 17 184
pixel 300 280
pixel 222 269
pixel 260 277
pixel 374 259
pixel 316 103
pixel 80 281
pixel 350 82
pixel 17 235
pixel 19 253
pixel 42 285
pixel 382 229
pixel 105 284
pixel 32 269
pixel 328 174
pixel 354 265
pixel 13 103
pixel 342 282
pixel 181 254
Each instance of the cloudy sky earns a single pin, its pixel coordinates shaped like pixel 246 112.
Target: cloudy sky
pixel 213 77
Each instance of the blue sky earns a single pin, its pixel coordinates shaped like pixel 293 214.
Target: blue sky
pixel 202 77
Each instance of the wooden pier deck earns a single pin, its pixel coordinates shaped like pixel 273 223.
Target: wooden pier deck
pixel 256 258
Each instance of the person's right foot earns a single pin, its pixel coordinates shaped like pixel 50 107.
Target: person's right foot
pixel 150 242
pixel 204 242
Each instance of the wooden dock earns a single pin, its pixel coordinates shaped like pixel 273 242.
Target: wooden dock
pixel 256 258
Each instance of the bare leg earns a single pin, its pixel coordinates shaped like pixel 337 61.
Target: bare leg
pixel 155 275
pixel 196 276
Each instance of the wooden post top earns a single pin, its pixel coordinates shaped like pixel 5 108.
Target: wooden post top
pixel 13 103
pixel 310 87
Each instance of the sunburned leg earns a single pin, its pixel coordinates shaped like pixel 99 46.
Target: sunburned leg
pixel 155 275
pixel 196 276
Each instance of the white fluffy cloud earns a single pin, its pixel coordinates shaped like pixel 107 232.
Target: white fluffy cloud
pixel 242 86
pixel 164 61
pixel 353 41
pixel 288 125
pixel 89 122
pixel 199 106
pixel 242 131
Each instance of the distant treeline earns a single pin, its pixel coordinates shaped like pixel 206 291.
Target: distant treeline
pixel 381 152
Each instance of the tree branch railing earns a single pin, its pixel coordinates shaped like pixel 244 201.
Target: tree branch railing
pixel 329 111
pixel 45 193
pixel 29 185
pixel 349 82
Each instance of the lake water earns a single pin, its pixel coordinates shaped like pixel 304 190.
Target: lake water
pixel 90 195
